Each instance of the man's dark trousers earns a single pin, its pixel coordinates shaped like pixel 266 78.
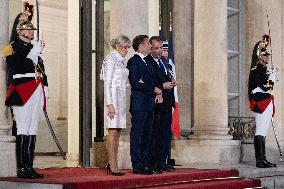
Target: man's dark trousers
pixel 140 138
pixel 167 135
pixel 161 137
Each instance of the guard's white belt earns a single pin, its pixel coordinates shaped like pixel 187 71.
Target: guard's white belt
pixel 17 76
pixel 259 90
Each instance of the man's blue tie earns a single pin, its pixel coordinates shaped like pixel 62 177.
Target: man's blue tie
pixel 162 67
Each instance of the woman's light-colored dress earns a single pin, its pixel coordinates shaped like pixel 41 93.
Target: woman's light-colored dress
pixel 115 76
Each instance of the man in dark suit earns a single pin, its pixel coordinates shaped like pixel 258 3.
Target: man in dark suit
pixel 162 113
pixel 143 90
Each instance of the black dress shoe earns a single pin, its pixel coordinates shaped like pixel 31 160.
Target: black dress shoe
pixel 269 163
pixel 167 168
pixel 138 171
pixel 110 172
pixel 24 173
pixel 263 164
pixel 157 170
pixel 171 168
pixel 148 171
pixel 34 174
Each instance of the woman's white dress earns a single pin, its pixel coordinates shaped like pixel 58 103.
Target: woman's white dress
pixel 115 76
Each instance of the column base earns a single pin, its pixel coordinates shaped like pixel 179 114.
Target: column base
pixel 99 156
pixel 8 159
pixel 7 139
pixel 72 160
pixel 204 146
pixel 207 146
pixel 205 151
pixel 124 159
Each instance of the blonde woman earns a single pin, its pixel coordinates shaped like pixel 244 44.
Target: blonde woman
pixel 115 76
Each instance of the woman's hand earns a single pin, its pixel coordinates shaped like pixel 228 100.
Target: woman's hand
pixel 111 111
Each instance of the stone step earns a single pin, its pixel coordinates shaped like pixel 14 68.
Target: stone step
pixel 16 185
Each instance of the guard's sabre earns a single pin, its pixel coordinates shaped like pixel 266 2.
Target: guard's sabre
pixel 272 120
pixel 276 138
pixel 37 21
pixel 53 135
pixel 45 113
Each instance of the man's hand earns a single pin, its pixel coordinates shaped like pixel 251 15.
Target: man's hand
pixel 168 85
pixel 159 99
pixel 111 111
pixel 174 82
pixel 157 91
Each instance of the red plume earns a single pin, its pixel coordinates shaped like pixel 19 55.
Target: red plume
pixel 30 9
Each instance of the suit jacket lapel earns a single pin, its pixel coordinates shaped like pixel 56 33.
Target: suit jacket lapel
pixel 145 64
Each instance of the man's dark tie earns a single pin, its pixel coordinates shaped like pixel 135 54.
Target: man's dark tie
pixel 162 67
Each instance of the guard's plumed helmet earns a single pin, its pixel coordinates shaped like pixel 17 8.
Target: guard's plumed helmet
pixel 262 46
pixel 165 44
pixel 24 22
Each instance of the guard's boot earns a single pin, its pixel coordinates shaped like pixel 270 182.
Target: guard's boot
pixel 259 154
pixel 30 146
pixel 264 154
pixel 22 171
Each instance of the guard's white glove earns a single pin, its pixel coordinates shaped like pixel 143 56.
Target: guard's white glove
pixel 34 52
pixel 46 92
pixel 272 74
pixel 42 56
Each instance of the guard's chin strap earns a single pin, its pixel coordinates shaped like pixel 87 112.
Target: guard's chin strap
pixel 25 36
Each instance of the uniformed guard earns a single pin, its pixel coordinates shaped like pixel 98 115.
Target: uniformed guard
pixel 261 81
pixel 27 91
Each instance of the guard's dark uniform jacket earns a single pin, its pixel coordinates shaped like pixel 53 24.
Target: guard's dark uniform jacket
pixel 259 87
pixel 21 73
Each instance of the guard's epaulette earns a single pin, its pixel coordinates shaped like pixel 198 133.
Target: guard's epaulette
pixel 253 68
pixel 7 50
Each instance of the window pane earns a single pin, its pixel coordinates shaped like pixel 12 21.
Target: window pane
pixel 233 3
pixel 233 77
pixel 233 32
pixel 234 106
pixel 106 27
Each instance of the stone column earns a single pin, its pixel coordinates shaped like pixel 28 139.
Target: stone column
pixel 210 72
pixel 153 17
pixel 210 89
pixel 7 142
pixel 73 83
pixel 183 56
pixel 131 18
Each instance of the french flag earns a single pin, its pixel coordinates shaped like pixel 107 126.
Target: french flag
pixel 175 114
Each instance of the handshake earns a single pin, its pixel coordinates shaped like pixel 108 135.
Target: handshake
pixel 36 52
pixel 272 74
